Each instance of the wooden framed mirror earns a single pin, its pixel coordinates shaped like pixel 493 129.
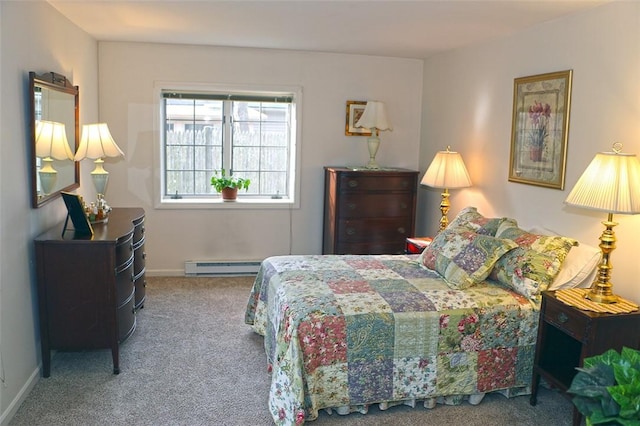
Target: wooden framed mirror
pixel 54 136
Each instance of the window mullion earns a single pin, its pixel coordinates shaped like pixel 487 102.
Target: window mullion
pixel 227 142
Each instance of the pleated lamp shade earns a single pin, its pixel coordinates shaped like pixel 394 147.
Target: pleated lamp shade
pixel 611 183
pixel 51 141
pixel 447 170
pixel 97 142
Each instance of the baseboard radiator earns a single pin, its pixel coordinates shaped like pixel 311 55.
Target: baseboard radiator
pixel 213 268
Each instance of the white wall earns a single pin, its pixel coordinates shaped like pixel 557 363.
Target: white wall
pixel 127 75
pixel 468 97
pixel 33 37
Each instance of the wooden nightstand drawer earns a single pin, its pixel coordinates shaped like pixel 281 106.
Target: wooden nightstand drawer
pixel 569 321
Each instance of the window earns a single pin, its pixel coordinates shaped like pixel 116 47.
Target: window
pixel 252 135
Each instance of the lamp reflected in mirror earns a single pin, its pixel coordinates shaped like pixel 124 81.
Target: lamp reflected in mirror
pixel 97 143
pixel 51 143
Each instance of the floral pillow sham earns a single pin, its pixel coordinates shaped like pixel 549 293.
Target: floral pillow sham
pixel 471 219
pixel 464 257
pixel 532 267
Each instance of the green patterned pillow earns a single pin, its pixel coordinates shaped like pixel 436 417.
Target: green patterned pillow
pixel 532 267
pixel 463 257
pixel 470 218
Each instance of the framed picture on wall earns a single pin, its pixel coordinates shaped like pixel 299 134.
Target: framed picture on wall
pixel 540 129
pixel 354 112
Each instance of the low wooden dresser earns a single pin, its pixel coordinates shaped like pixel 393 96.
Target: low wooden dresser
pixel 90 286
pixel 368 211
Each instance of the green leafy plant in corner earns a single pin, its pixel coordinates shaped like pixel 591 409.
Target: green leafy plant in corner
pixel 221 181
pixel 607 388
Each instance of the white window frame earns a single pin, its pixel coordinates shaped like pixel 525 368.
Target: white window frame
pixel 162 202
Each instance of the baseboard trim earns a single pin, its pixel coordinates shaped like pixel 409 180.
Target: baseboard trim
pixel 12 409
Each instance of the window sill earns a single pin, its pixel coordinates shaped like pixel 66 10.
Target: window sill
pixel 217 203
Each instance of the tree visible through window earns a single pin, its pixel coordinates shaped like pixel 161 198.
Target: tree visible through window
pixel 251 136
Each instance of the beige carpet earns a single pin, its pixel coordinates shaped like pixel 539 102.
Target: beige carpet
pixel 193 361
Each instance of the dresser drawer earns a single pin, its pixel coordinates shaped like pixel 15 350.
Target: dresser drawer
pixel 370 248
pixel 381 182
pixel 124 249
pixel 568 320
pixel 126 318
pixel 124 282
pixel 139 258
pixel 375 205
pixel 138 230
pixel 374 230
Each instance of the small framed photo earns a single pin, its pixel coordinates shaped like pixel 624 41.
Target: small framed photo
pixel 354 112
pixel 81 224
pixel 540 129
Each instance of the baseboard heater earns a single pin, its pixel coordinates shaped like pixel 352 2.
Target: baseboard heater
pixel 199 268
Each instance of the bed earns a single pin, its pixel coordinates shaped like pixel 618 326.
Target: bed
pixel 342 332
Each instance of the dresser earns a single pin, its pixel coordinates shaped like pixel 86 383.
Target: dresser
pixel 90 286
pixel 368 211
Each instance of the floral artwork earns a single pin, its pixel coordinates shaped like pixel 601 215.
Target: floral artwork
pixel 539 115
pixel 540 129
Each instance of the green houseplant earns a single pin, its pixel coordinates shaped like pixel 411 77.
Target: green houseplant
pixel 607 388
pixel 228 185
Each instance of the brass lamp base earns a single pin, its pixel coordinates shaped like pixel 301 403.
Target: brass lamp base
pixel 444 209
pixel 601 289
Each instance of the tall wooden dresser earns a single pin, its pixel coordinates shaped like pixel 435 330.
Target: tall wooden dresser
pixel 89 286
pixel 368 211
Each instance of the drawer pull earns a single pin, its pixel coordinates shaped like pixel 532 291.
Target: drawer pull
pixel 401 230
pixel 403 206
pixel 405 184
pixel 351 231
pixel 352 206
pixel 353 183
pixel 144 255
pixel 562 318
pixel 142 230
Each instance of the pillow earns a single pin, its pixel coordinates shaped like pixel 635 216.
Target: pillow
pixel 532 267
pixel 578 269
pixel 463 257
pixel 470 218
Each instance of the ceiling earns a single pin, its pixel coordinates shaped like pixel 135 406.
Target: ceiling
pixel 408 29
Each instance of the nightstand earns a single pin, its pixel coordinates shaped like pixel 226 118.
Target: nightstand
pixel 568 335
pixel 416 245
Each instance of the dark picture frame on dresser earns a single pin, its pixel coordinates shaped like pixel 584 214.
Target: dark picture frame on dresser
pixel 567 335
pixel 368 211
pixel 90 286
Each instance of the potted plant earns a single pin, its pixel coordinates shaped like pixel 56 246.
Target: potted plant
pixel 228 185
pixel 607 388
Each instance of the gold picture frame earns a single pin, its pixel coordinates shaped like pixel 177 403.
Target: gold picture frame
pixel 540 129
pixel 354 112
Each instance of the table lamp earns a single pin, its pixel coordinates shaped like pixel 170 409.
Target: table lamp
pixel 374 118
pixel 51 143
pixel 611 183
pixel 97 143
pixel 447 171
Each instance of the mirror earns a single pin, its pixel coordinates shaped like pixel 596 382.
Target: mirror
pixel 54 136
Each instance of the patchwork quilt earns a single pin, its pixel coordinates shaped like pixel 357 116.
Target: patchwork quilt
pixel 348 331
